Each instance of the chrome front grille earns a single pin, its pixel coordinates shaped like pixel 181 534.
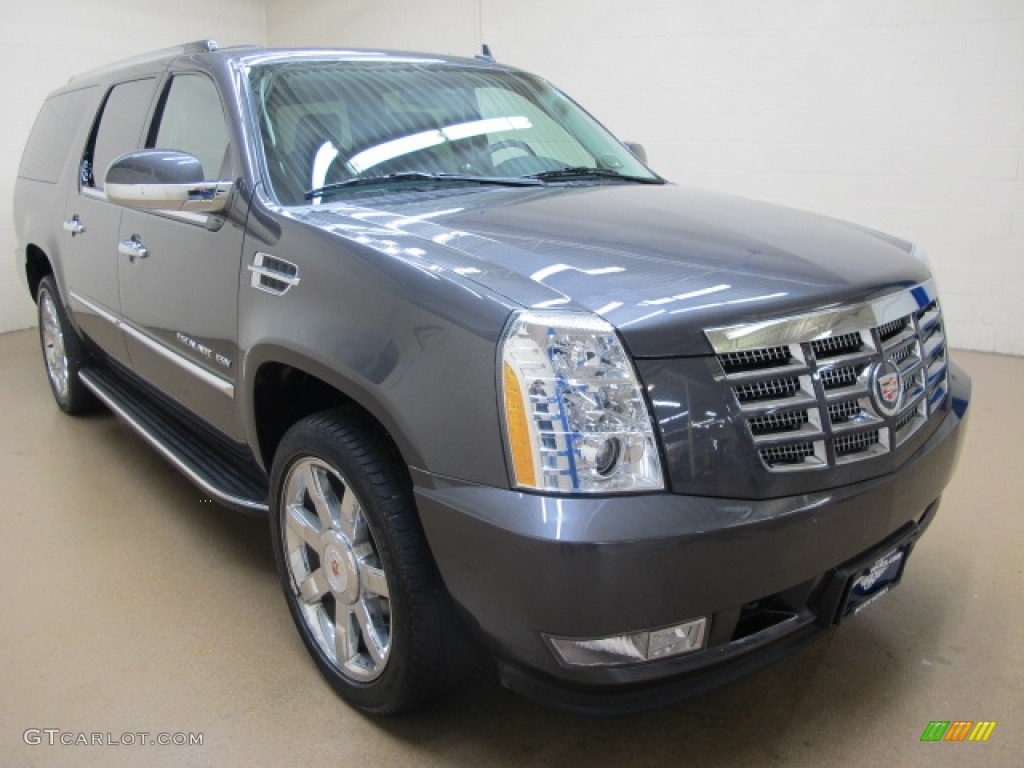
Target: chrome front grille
pixel 844 385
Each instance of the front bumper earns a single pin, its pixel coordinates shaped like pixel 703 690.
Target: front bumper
pixel 523 566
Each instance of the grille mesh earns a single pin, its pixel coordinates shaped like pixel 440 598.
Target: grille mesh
pixel 887 331
pixel 753 359
pixel 769 389
pixel 861 441
pixel 796 453
pixel 835 378
pixel 905 420
pixel 898 357
pixel 836 345
pixel 778 422
pixel 843 411
pixel 792 436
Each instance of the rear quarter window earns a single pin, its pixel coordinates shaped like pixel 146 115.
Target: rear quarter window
pixel 49 143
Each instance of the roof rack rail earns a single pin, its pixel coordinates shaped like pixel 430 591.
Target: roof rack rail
pixel 197 46
pixel 200 46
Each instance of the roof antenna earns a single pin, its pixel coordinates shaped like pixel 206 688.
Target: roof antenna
pixel 485 54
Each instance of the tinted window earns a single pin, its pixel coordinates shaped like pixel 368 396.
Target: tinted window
pixel 120 128
pixel 52 134
pixel 192 121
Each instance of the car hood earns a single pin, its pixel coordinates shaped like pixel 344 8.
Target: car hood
pixel 661 263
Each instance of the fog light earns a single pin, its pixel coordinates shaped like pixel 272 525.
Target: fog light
pixel 633 648
pixel 675 640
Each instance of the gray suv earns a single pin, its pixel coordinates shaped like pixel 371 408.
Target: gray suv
pixel 496 383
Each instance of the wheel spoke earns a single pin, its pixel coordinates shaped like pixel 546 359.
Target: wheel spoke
pixel 349 516
pixel 314 587
pixel 374 643
pixel 346 641
pixel 304 525
pixel 320 493
pixel 373 580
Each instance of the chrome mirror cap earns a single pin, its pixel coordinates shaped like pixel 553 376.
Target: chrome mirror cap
pixel 164 180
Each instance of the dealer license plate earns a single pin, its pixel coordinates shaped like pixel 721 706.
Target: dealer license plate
pixel 871 584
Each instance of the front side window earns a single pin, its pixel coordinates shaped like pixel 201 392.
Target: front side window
pixel 191 120
pixel 325 122
pixel 119 129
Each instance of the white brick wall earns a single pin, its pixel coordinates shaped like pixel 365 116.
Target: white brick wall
pixel 43 43
pixel 905 115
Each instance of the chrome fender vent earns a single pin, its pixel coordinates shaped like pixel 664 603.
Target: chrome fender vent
pixel 273 274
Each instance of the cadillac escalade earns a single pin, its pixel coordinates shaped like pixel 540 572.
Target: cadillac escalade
pixel 496 383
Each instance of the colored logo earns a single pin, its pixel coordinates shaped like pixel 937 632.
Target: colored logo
pixel 888 387
pixel 958 730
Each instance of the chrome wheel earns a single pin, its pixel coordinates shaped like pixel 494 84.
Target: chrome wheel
pixel 334 569
pixel 53 345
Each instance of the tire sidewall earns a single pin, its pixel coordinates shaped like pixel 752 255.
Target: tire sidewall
pixel 48 286
pixel 385 693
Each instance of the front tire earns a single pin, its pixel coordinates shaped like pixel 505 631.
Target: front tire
pixel 63 353
pixel 358 577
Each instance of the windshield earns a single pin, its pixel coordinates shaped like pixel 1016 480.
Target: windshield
pixel 325 122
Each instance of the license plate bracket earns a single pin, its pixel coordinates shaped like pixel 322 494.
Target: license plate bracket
pixel 872 583
pixel 859 583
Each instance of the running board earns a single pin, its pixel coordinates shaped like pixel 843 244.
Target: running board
pixel 228 481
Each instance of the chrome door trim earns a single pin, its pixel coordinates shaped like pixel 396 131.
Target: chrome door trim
pixel 221 385
pixel 106 314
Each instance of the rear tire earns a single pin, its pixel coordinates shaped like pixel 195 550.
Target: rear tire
pixel 357 574
pixel 63 353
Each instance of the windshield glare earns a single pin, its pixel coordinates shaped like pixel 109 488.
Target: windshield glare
pixel 325 122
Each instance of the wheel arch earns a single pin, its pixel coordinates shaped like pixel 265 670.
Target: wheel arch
pixel 281 388
pixel 37 266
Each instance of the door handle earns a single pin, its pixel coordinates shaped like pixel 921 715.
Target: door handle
pixel 133 248
pixel 74 226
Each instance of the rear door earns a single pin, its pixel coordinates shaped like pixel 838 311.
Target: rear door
pixel 92 223
pixel 179 272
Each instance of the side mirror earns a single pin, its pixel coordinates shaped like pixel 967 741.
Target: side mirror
pixel 166 181
pixel 638 150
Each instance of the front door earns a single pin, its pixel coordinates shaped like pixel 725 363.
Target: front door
pixel 179 272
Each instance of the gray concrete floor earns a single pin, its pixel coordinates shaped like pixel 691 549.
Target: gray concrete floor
pixel 129 604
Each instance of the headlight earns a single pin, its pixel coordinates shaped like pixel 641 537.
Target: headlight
pixel 575 417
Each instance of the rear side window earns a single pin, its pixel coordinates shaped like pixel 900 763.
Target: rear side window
pixel 119 129
pixel 192 120
pixel 52 134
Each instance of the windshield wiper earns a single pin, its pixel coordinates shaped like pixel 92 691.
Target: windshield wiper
pixel 362 181
pixel 583 172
